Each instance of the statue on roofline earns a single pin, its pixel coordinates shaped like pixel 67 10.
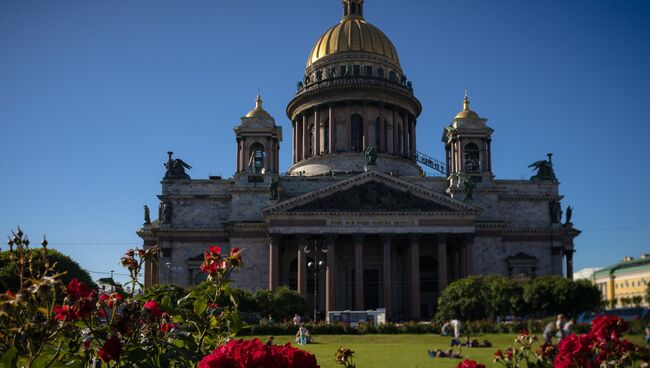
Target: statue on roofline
pixel 468 186
pixel 176 169
pixel 147 216
pixel 273 187
pixel 370 154
pixel 544 169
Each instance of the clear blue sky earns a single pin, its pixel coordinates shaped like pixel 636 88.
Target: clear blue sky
pixel 93 93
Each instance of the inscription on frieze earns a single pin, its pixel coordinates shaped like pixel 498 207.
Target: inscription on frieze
pixel 356 223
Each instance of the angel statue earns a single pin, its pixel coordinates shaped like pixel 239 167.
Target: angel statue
pixel 544 169
pixel 371 155
pixel 176 169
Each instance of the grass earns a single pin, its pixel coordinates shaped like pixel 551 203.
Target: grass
pixel 402 351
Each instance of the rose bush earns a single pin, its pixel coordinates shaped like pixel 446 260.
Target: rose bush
pixel 46 323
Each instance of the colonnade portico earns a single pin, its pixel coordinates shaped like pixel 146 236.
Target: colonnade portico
pixel 392 260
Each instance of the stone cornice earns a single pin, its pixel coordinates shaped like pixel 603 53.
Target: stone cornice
pixel 530 197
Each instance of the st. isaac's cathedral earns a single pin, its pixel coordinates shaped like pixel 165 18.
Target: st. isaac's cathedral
pixel 355 206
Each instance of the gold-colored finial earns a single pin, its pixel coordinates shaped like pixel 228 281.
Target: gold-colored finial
pixel 466 102
pixel 258 102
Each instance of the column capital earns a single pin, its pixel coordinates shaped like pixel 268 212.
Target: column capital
pixel 274 238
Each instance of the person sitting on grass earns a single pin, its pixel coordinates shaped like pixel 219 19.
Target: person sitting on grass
pixel 302 336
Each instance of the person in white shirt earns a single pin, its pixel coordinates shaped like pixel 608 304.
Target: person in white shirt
pixel 455 324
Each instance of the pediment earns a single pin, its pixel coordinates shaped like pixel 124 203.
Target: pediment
pixel 372 192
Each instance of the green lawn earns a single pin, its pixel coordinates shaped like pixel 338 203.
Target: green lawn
pixel 401 351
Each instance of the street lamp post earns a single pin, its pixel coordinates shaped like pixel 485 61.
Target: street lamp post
pixel 318 249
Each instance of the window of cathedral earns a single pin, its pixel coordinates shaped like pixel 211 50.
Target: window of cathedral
pixel 368 70
pixel 380 72
pixel 257 154
pixel 471 157
pixel 392 76
pixel 357 70
pixel 357 133
pixel 344 70
pixel 319 75
pixel 331 72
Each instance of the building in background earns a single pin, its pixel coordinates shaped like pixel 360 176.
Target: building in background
pixel 356 197
pixel 624 281
pixel 586 273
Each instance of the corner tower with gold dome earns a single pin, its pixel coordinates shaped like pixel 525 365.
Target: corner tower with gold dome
pixel 354 95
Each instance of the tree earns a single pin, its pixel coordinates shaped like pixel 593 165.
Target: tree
pixel 465 299
pixel 582 296
pixel 504 296
pixel 548 295
pixel 637 300
pixel 9 278
pixel 286 303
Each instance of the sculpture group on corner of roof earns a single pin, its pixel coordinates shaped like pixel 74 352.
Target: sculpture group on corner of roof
pixel 176 168
pixel 544 169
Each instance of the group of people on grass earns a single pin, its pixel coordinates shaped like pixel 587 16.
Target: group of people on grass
pixel 559 328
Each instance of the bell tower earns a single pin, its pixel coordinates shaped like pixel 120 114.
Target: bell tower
pixel 467 145
pixel 258 142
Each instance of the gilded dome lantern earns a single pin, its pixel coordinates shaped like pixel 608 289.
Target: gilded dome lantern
pixel 354 95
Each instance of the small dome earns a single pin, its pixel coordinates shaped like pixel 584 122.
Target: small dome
pixel 258 111
pixel 353 34
pixel 466 113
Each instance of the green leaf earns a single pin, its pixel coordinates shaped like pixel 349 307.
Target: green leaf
pixel 166 303
pixel 40 362
pixel 199 307
pixel 9 358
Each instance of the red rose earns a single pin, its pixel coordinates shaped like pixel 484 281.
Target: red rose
pixel 66 313
pixel 470 364
pixel 216 251
pixel 153 308
pixel 78 290
pixel 167 327
pixel 111 350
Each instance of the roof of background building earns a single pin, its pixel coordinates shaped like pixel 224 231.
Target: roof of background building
pixel 628 265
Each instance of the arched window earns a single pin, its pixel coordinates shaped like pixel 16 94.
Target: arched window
pixel 256 160
pixel 392 76
pixel 357 133
pixel 471 157
pixel 380 72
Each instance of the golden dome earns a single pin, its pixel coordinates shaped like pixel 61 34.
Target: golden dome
pixel 353 34
pixel 466 113
pixel 258 111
